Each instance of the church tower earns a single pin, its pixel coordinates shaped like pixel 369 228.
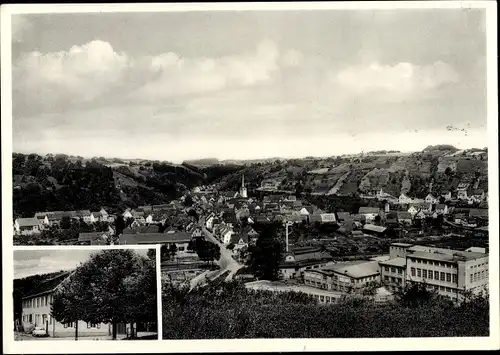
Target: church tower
pixel 243 189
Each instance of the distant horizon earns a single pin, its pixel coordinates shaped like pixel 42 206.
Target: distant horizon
pixel 244 159
pixel 248 84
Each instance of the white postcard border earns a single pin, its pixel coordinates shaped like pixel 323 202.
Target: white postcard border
pixel 283 345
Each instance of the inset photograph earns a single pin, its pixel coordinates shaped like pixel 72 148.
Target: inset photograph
pixel 88 294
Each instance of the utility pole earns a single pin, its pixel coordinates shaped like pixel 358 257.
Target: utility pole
pixel 287 224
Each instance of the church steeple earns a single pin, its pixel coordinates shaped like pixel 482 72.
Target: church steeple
pixel 243 189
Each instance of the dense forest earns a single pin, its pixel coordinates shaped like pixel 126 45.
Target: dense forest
pixel 56 183
pixel 230 311
pixel 63 183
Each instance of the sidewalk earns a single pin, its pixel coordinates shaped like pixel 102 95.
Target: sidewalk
pixel 28 337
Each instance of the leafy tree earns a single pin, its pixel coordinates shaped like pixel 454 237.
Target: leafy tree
pixel 188 201
pixel 172 250
pixel 152 254
pixel 230 311
pixel 266 254
pixel 191 245
pixel 165 252
pixel 104 290
pixel 65 222
pixel 129 221
pixel 141 293
pixel 230 246
pixel 69 304
pixel 119 224
pixel 207 251
pixel 414 295
pixel 193 213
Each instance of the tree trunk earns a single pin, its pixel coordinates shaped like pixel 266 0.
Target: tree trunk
pixel 114 330
pixel 76 330
pixel 131 330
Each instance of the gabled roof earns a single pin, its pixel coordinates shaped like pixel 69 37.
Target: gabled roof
pixel 357 270
pixel 363 210
pixel 87 237
pixel 478 212
pixel 82 213
pixel 374 228
pixel 404 215
pixel 229 217
pixel 315 255
pixel 225 229
pixel 343 215
pixel 235 238
pixel 48 286
pixel 155 238
pixel 27 222
pixel 248 230
pixel 152 228
pixel 261 219
pixel 398 262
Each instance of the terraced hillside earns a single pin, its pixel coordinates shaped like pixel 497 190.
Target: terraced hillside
pixel 63 182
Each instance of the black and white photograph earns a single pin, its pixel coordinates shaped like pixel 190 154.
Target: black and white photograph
pixel 304 171
pixel 87 294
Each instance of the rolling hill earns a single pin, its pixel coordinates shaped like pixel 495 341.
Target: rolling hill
pixel 60 182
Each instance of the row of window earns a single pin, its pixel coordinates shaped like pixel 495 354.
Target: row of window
pixel 89 325
pixel 480 275
pixel 314 283
pixel 38 320
pixel 393 279
pixel 41 301
pixel 356 281
pixel 436 263
pixel 393 270
pixel 41 320
pixel 434 275
pixel 478 265
pixel 313 267
pixel 326 299
pixel 441 288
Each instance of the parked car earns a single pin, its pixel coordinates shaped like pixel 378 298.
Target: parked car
pixel 28 327
pixel 39 332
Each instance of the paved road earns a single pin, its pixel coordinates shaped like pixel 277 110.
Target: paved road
pixel 226 261
pixel 18 336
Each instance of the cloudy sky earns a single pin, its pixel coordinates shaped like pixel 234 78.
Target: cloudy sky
pixel 33 262
pixel 174 86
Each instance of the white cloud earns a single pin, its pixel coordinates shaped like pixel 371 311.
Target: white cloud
pixel 95 74
pixel 181 76
pixel 82 73
pixel 95 71
pixel 400 78
pixel 20 26
pixel 292 58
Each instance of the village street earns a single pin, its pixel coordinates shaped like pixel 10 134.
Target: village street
pixel 226 261
pixel 18 336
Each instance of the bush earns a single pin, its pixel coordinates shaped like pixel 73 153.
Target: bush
pixel 232 311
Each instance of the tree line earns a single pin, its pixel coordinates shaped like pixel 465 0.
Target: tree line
pixel 113 286
pixel 230 311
